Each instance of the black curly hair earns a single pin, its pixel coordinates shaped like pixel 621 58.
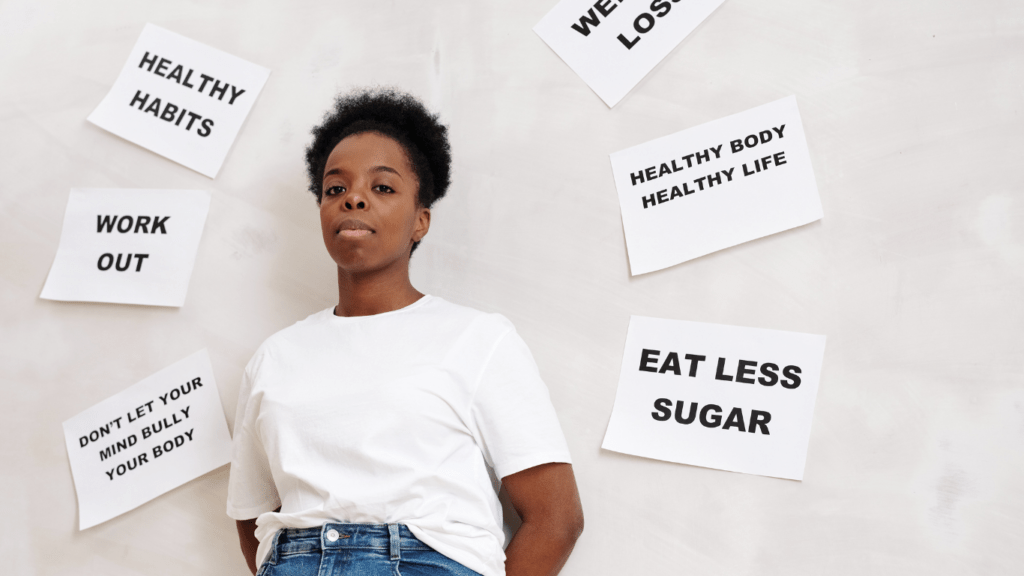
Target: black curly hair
pixel 396 115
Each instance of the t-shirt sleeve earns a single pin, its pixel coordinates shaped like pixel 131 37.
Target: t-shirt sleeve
pixel 513 413
pixel 251 488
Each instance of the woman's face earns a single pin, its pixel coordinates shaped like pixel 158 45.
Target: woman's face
pixel 370 212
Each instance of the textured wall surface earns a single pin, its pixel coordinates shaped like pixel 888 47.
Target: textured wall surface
pixel 913 114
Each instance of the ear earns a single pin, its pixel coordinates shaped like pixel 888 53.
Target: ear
pixel 422 224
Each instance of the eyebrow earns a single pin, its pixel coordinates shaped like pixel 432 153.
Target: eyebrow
pixel 381 168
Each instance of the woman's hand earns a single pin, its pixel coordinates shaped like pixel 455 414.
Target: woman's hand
pixel 548 502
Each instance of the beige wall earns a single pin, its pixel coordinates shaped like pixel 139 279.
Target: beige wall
pixel 913 112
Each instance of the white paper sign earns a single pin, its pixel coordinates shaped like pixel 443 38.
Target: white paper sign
pixel 725 397
pixel 715 185
pixel 613 44
pixel 147 440
pixel 181 99
pixel 128 246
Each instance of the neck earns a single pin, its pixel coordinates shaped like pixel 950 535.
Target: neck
pixel 369 293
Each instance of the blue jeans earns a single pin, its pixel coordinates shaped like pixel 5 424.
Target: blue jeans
pixel 356 550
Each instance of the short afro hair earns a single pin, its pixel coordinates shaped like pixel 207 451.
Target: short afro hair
pixel 396 115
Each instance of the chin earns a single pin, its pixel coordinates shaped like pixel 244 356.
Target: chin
pixel 361 263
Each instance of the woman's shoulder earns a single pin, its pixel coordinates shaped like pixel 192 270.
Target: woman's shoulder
pixel 296 334
pixel 467 317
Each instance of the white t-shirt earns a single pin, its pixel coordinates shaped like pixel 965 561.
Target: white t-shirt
pixel 393 418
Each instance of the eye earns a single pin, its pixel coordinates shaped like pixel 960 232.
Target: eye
pixel 333 190
pixel 384 189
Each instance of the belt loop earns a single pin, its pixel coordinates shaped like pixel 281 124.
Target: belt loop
pixel 272 557
pixel 396 542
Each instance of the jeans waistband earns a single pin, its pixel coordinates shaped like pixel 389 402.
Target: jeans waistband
pixel 390 537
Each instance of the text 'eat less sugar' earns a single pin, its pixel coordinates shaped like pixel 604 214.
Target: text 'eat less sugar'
pixel 169 112
pixel 709 180
pixel 710 415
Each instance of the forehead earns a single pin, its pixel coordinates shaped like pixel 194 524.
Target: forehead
pixel 369 149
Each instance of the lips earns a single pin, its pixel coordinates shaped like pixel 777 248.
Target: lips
pixel 352 228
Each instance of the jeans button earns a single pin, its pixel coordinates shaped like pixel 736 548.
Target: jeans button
pixel 332 535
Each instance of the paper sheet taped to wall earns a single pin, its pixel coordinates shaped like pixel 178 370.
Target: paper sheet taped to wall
pixel 714 186
pixel 146 440
pixel 128 246
pixel 181 99
pixel 613 44
pixel 717 396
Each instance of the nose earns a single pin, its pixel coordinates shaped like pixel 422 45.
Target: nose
pixel 356 200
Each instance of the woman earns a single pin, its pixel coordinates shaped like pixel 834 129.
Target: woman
pixel 368 436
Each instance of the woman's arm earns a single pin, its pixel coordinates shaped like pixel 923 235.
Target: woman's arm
pixel 248 541
pixel 548 502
